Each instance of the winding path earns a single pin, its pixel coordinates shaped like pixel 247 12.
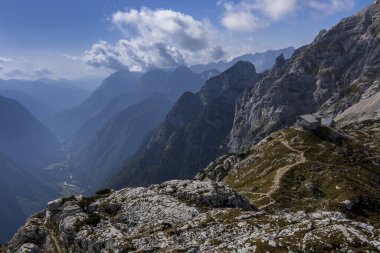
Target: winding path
pixel 280 174
pixel 54 240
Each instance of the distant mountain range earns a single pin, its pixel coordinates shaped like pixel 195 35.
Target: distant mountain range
pixel 66 123
pixel 26 146
pixel 262 184
pixel 262 61
pixel 338 69
pixel 22 194
pixel 57 95
pixel 104 142
pixel 118 139
pixel 41 111
pixel 82 127
pixel 191 135
pixel 23 138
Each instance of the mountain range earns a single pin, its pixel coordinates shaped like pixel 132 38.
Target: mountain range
pixel 190 136
pixel 23 138
pixel 244 176
pixel 338 69
pixel 262 61
pixel 56 95
pixel 26 146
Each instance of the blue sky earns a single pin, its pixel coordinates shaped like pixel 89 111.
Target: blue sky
pixel 77 38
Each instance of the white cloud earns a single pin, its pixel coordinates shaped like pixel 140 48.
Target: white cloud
pixel 250 15
pixel 329 7
pixel 156 39
pixel 277 9
pixel 5 60
pixel 70 57
pixel 243 21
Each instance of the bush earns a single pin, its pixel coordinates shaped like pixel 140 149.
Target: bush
pixel 85 202
pixel 66 199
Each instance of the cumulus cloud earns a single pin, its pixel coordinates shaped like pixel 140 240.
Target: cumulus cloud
pixel 156 39
pixel 249 15
pixel 330 7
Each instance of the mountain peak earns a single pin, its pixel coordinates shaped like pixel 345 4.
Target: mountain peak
pixel 182 69
pixel 280 61
pixel 243 68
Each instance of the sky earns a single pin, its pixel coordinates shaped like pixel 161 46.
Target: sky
pixel 80 38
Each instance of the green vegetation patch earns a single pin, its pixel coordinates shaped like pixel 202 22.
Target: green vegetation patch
pixel 339 172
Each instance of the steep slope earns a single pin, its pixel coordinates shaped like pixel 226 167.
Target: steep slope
pixel 118 139
pixel 170 84
pixel 366 109
pixel 57 96
pixel 20 196
pixel 40 110
pixel 262 61
pixel 338 69
pixel 185 216
pixel 66 123
pixel 295 169
pixel 191 135
pixel 23 138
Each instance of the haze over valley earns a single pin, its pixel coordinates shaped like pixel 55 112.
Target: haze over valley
pixel 226 126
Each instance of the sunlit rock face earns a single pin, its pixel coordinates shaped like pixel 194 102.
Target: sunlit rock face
pixel 338 69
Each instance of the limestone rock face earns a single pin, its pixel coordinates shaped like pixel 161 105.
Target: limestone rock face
pixel 109 221
pixel 170 226
pixel 338 69
pixel 193 132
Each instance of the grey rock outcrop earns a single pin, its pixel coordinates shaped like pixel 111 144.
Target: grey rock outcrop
pixel 185 216
pixel 193 132
pixel 105 222
pixel 327 76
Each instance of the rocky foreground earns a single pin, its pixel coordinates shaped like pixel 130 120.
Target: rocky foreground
pixel 185 216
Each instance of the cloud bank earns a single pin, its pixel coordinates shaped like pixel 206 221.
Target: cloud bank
pixel 156 39
pixel 250 15
pixel 165 38
pixel 331 6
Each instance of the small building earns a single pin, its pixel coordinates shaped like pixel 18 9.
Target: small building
pixel 309 121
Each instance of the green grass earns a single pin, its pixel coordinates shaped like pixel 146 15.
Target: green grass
pixel 337 168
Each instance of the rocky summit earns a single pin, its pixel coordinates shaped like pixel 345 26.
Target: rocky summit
pixel 283 187
pixel 337 70
pixel 184 216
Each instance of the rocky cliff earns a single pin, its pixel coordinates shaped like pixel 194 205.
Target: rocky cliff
pixel 192 133
pixel 338 69
pixel 184 216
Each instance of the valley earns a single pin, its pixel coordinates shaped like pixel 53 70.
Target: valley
pixel 194 143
